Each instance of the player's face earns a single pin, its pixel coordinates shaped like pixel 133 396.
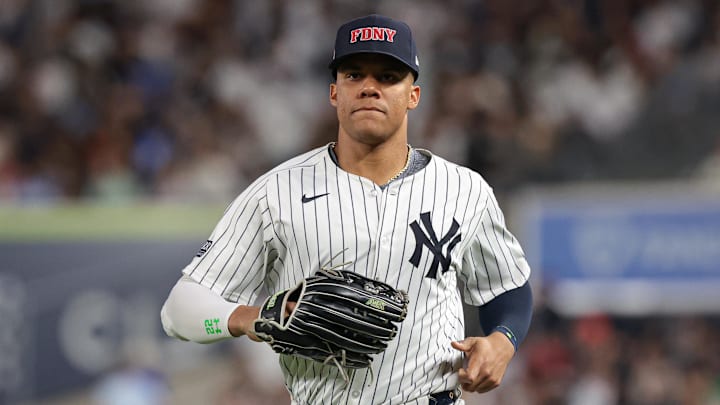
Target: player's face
pixel 372 95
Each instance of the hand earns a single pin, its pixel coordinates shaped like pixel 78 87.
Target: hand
pixel 241 320
pixel 487 359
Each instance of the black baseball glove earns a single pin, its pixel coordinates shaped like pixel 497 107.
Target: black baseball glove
pixel 339 316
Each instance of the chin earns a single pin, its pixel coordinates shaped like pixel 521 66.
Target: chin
pixel 371 134
pixel 370 137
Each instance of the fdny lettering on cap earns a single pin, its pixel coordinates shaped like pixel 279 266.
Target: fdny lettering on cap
pixel 372 34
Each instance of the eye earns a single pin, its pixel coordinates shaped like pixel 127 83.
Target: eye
pixel 352 75
pixel 390 77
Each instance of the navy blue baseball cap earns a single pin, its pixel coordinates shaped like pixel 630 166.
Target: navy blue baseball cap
pixel 376 34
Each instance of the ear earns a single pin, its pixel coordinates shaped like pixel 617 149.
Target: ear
pixel 414 97
pixel 333 94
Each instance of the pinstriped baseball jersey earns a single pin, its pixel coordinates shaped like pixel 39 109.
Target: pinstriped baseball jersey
pixel 422 233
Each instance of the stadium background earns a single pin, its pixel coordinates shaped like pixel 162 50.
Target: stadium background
pixel 127 126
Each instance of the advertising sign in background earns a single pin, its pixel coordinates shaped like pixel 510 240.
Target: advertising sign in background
pixel 626 250
pixel 81 291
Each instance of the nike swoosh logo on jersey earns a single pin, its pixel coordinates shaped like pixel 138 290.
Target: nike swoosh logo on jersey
pixel 306 199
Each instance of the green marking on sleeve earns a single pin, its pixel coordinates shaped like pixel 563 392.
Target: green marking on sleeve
pixel 212 326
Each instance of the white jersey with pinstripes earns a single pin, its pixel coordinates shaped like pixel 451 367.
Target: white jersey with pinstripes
pixel 422 233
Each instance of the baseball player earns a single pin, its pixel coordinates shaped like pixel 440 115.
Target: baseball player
pixel 391 212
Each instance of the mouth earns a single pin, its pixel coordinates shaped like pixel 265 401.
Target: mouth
pixel 366 109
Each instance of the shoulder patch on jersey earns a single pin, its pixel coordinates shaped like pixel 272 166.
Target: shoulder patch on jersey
pixel 204 248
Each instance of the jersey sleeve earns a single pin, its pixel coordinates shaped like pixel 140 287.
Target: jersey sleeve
pixel 493 261
pixel 234 259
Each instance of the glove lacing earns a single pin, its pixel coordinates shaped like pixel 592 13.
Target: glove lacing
pixel 325 267
pixel 341 365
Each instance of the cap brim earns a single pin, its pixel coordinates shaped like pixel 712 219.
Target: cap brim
pixel 337 61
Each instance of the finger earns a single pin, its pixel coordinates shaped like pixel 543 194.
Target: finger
pixel 473 385
pixel 486 385
pixel 483 385
pixel 460 345
pixel 487 382
pixel 290 307
pixel 468 384
pixel 463 379
pixel 477 378
pixel 463 376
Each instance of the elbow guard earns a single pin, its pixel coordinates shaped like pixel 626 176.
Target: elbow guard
pixel 194 312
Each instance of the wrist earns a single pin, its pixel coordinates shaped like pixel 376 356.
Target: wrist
pixel 241 321
pixel 508 335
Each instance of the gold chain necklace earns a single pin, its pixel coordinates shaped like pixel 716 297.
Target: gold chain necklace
pixel 407 163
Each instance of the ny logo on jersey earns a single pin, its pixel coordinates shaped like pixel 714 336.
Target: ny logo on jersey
pixel 427 238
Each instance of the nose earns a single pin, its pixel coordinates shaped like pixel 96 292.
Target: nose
pixel 369 88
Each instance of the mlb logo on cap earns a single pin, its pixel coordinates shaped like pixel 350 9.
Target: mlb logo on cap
pixel 376 34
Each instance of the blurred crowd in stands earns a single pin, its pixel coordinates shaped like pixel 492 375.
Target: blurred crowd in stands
pixel 600 360
pixel 190 100
pixel 588 360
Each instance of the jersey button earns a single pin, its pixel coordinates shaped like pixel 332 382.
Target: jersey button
pixel 355 394
pixel 373 193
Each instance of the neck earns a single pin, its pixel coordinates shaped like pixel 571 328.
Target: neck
pixel 379 163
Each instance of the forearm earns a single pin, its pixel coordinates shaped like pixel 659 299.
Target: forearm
pixel 195 313
pixel 508 314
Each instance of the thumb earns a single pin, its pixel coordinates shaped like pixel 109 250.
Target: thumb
pixel 460 345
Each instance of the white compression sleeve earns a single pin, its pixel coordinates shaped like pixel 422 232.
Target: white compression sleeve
pixel 196 313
